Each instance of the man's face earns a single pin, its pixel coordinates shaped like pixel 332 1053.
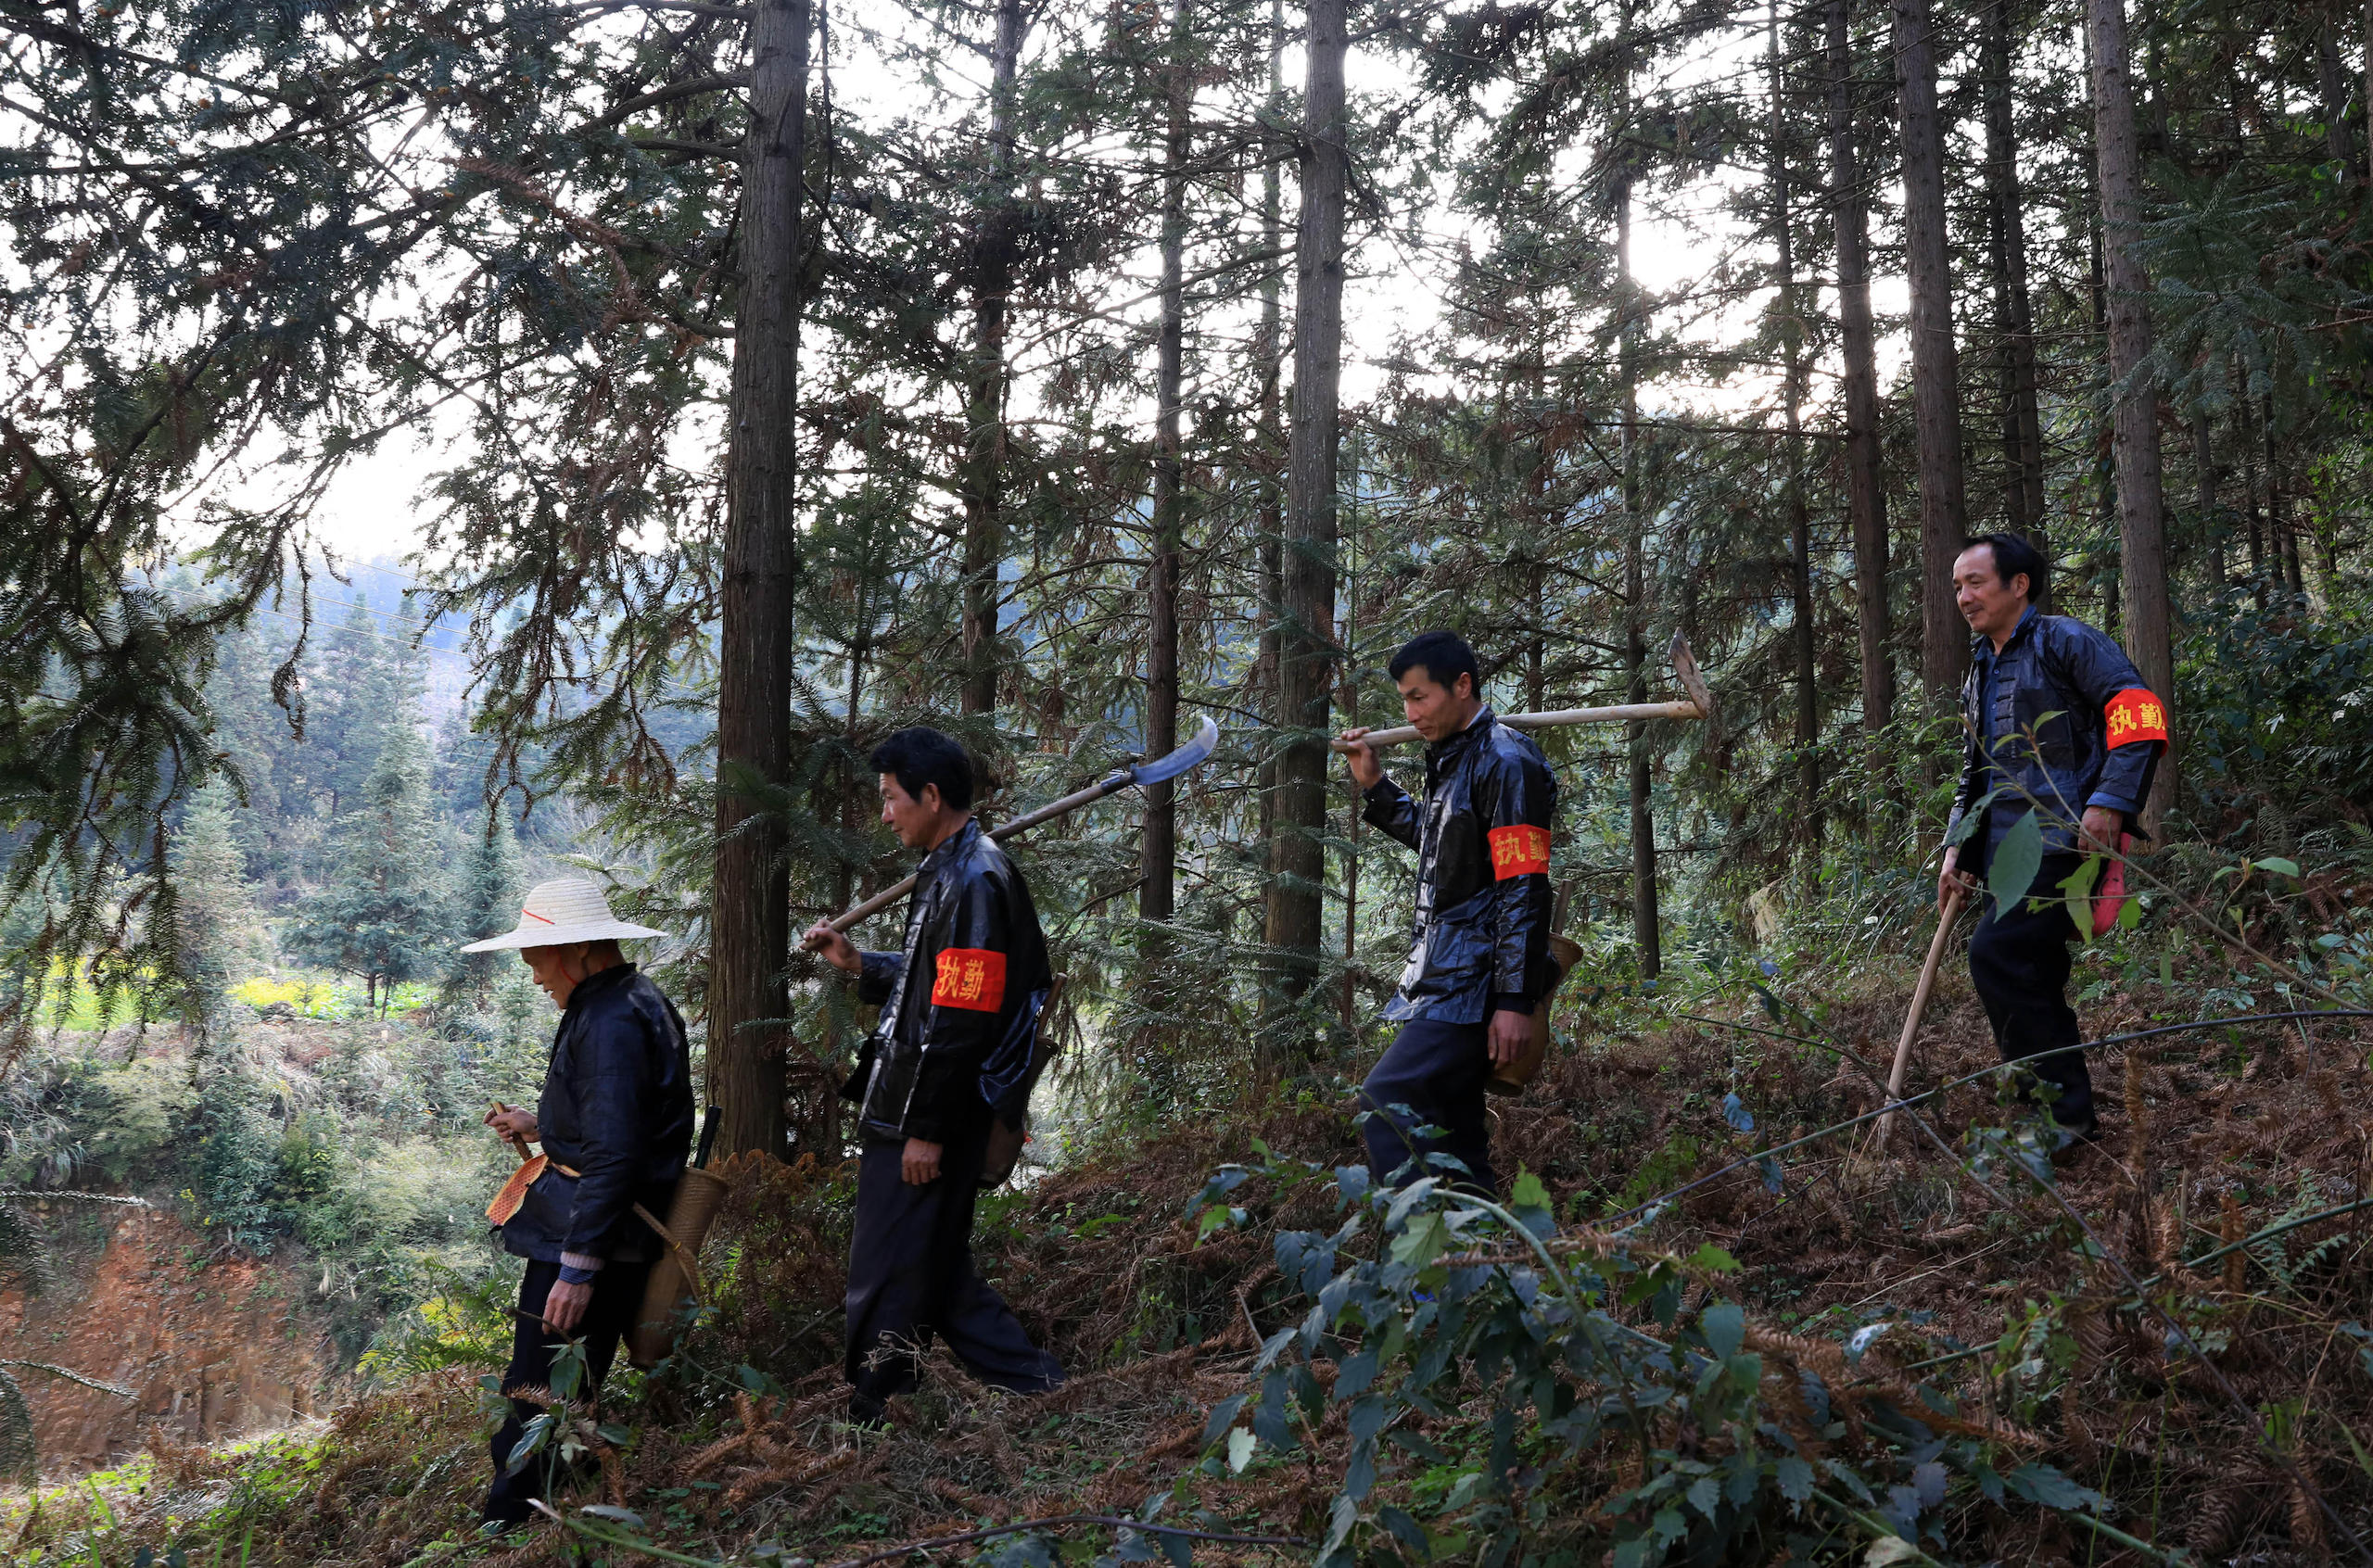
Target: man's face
pixel 915 821
pixel 1437 711
pixel 557 969
pixel 1991 606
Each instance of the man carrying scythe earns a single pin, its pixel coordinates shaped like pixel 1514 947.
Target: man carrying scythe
pixel 1479 958
pixel 959 1005
pixel 2058 724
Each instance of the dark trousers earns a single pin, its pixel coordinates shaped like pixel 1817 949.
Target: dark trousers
pixel 1438 1071
pixel 617 1297
pixel 910 1277
pixel 2019 961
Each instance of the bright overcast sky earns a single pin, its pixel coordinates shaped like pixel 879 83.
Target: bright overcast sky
pixel 370 511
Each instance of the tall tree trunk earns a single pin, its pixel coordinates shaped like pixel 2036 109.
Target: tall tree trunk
pixel 1935 366
pixel 1157 844
pixel 1866 496
pixel 2013 312
pixel 1647 925
pixel 2281 536
pixel 1269 515
pixel 1800 525
pixel 2142 528
pixel 2204 462
pixel 749 913
pixel 981 480
pixel 2333 79
pixel 2248 441
pixel 1306 643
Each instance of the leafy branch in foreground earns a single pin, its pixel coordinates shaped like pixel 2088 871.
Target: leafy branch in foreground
pixel 1524 1401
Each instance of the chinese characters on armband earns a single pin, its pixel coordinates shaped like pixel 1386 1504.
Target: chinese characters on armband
pixel 971 978
pixel 1518 851
pixel 2135 714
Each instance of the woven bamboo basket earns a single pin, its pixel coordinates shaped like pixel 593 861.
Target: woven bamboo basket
pixel 676 1277
pixel 1565 951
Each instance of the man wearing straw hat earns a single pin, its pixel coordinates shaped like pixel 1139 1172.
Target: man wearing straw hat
pixel 968 982
pixel 615 1122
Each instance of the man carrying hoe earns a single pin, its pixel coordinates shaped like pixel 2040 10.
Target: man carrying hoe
pixel 958 1004
pixel 616 1109
pixel 2058 721
pixel 1479 958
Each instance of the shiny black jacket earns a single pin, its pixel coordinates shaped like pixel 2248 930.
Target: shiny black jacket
pixel 960 1004
pixel 2096 749
pixel 618 1109
pixel 1481 940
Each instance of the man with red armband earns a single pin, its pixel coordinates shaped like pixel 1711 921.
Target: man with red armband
pixel 959 1003
pixel 2058 723
pixel 1479 958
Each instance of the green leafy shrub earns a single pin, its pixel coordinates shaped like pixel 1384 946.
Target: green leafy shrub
pixel 130 1118
pixel 1505 1386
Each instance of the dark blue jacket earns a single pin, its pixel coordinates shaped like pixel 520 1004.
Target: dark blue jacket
pixel 2099 747
pixel 1481 942
pixel 959 1003
pixel 618 1109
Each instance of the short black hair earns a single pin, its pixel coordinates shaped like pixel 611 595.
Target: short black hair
pixel 2014 557
pixel 1444 655
pixel 923 755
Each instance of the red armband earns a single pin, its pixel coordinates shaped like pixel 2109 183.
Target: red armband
pixel 971 978
pixel 2135 714
pixel 1518 851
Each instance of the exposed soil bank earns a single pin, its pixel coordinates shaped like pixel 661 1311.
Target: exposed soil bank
pixel 211 1347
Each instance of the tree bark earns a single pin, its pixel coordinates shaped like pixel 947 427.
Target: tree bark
pixel 1800 527
pixel 2204 462
pixel 1306 652
pixel 1866 504
pixel 2013 312
pixel 2338 139
pixel 2248 442
pixel 1647 925
pixel 981 480
pixel 1158 843
pixel 1269 515
pixel 2142 531
pixel 1935 366
pixel 750 913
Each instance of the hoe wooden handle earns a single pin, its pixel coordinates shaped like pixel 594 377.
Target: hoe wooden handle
pixel 1919 1006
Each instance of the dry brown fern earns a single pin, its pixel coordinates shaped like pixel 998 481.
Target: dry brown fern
pixel 2230 1233
pixel 2137 1121
pixel 2216 1522
pixel 2308 1531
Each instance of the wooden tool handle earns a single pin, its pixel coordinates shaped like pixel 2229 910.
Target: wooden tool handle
pixel 512 1138
pixel 1919 1006
pixel 1552 720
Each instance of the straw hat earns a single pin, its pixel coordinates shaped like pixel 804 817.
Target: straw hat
pixel 564 910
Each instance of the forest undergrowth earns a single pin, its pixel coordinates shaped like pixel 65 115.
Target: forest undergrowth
pixel 1715 1321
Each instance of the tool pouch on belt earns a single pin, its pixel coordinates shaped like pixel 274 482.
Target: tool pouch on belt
pixel 549 1203
pixel 1009 1116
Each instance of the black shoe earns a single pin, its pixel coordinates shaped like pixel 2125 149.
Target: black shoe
pixel 2069 1142
pixel 502 1515
pixel 868 1413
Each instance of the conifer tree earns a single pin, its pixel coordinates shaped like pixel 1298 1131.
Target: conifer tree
pixel 215 926
pixel 486 904
pixel 383 916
